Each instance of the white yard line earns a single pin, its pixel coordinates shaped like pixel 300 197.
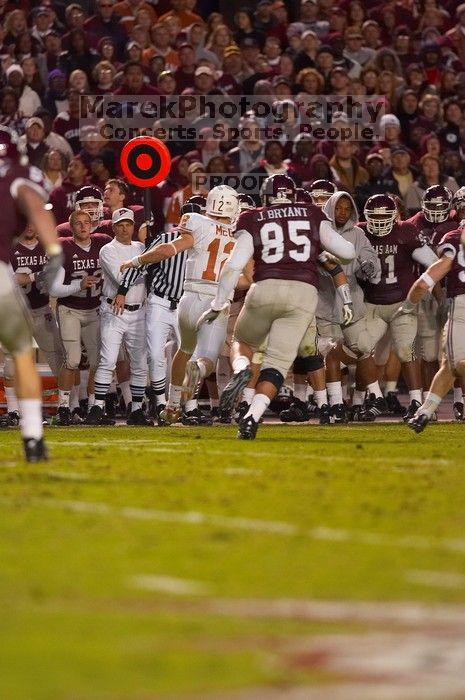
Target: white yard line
pixel 253 525
pixel 439 579
pixel 242 471
pixel 66 476
pixel 168 584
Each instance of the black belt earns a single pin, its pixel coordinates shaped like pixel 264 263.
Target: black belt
pixel 128 307
pixel 173 302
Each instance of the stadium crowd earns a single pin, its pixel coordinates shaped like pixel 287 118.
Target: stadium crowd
pixel 409 55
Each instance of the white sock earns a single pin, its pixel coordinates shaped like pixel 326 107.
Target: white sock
pixel 430 404
pixel 240 363
pixel 84 380
pixel 135 405
pixel 321 397
pixel 248 394
pixel 458 396
pixel 91 400
pixel 258 407
pixel 63 398
pixel 391 386
pixel 112 387
pixel 174 396
pixel 334 393
pixel 126 392
pixel 11 400
pixel 100 403
pixel 375 389
pixel 190 405
pixel 416 395
pixel 358 398
pixel 300 392
pixel 31 418
pixel 74 398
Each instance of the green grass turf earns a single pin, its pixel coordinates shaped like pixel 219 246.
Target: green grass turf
pixel 333 513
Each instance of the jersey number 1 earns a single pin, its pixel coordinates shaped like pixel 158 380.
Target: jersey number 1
pixel 211 274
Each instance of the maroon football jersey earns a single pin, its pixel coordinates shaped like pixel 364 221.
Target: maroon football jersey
pixel 286 241
pixel 13 222
pixel 431 233
pixel 455 278
pixel 25 259
pixel 80 263
pixel 398 269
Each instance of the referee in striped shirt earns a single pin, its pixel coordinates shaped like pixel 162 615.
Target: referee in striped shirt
pixel 165 281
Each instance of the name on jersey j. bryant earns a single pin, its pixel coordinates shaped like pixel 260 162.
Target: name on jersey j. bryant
pixel 281 213
pixel 30 260
pixel 385 249
pixel 85 264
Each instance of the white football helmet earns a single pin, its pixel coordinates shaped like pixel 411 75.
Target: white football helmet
pixel 223 201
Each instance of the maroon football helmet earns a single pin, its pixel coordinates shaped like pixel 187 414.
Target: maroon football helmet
pixel 199 200
pixel 458 200
pixel 90 199
pixel 321 191
pixel 278 189
pixel 436 203
pixel 245 202
pixel 303 196
pixel 380 213
pixel 8 148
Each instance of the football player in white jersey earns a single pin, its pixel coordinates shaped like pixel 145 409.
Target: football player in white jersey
pixel 209 240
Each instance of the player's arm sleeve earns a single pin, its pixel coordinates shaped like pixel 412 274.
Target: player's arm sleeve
pixel 424 255
pixel 336 244
pixel 59 289
pixel 243 251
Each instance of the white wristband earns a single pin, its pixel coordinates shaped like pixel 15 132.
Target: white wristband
pixel 135 262
pixel 428 280
pixel 344 292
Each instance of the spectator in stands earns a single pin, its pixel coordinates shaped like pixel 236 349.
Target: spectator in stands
pixel 28 100
pixel 134 81
pixel 15 25
pixel 399 178
pixel 450 134
pixel 106 22
pixel 306 58
pixel 53 140
pixel 250 149
pixel 53 167
pixel 32 75
pixel 309 16
pixel 10 114
pixel 66 122
pixel 273 163
pixel 80 55
pixel 455 37
pixel 302 152
pixel 430 174
pixel 184 16
pixel 353 45
pixel 220 38
pixel 103 167
pixel 374 165
pixel 103 77
pixel 184 74
pixel 79 81
pixel 160 46
pixel 346 167
pixel 453 166
pixel 195 186
pixel 36 147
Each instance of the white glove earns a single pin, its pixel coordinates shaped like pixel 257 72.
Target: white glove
pixel 210 315
pixel 347 315
pixel 368 268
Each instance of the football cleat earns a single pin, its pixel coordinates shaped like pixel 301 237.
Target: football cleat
pixel 63 417
pixel 192 378
pixel 35 450
pixel 224 417
pixel 338 413
pixel 355 413
pixel 374 407
pixel 247 429
pixel 325 414
pixel 194 417
pixel 297 412
pixel 111 402
pixel 412 409
pixel 169 415
pixel 14 418
pixel 394 406
pixel 418 423
pixel 138 417
pixel 76 417
pixel 96 416
pixel 233 389
pixel 241 410
pixel 458 410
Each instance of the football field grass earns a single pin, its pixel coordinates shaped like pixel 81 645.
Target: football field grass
pixel 313 563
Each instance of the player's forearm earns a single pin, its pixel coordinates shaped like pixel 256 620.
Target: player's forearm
pixel 417 292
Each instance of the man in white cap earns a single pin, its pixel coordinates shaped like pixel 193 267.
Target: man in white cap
pixel 122 319
pixel 29 100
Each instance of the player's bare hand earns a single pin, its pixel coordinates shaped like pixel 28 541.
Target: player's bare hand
pixel 126 265
pixel 89 281
pixel 22 278
pixel 117 305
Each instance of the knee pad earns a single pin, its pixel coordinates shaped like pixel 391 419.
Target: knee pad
pixel 303 365
pixel 273 376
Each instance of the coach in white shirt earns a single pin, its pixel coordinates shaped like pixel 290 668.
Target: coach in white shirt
pixel 121 320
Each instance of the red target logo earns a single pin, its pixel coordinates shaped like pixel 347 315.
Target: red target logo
pixel 145 161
